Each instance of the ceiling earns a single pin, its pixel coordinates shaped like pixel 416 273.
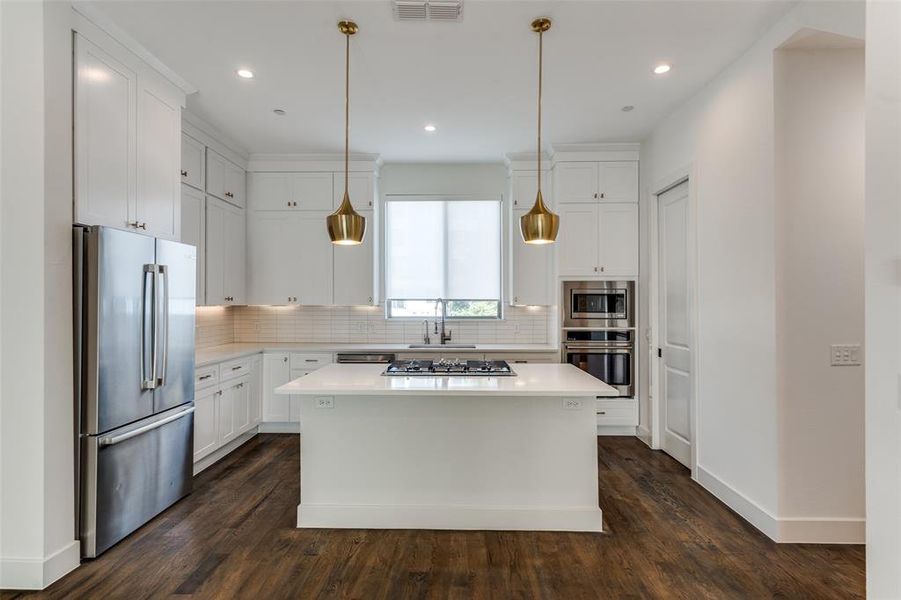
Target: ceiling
pixel 474 79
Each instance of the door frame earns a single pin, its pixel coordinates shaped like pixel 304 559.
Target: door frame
pixel 687 173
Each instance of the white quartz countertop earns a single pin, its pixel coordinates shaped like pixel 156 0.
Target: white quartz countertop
pixel 561 380
pixel 215 354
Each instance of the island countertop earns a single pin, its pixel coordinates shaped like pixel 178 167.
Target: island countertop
pixel 559 380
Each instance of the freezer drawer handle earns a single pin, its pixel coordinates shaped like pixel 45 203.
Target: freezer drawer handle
pixel 204 377
pixel 113 440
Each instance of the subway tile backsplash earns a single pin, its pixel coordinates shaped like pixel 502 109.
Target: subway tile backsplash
pixel 357 324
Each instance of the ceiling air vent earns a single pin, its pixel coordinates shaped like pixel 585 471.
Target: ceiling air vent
pixel 424 10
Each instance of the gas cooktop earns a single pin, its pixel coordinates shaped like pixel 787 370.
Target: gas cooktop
pixel 469 368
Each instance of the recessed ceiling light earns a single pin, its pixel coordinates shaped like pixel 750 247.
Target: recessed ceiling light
pixel 279 111
pixel 627 108
pixel 245 73
pixel 662 68
pixel 430 128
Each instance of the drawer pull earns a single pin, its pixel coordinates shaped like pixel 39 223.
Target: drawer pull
pixel 602 412
pixel 202 377
pixel 311 360
pixel 236 368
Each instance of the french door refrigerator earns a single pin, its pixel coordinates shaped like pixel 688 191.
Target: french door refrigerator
pixel 134 380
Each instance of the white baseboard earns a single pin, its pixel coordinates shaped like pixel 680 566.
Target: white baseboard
pixel 616 430
pixel 279 427
pixel 502 518
pixel 803 530
pixel 37 573
pixel 644 434
pixel 211 459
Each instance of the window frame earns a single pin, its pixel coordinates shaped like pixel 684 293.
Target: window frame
pixel 383 235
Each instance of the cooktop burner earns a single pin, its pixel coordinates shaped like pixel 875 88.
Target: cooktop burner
pixel 494 368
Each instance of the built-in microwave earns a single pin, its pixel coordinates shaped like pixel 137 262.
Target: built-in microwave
pixel 598 304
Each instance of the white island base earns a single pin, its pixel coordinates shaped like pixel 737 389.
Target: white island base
pixel 444 453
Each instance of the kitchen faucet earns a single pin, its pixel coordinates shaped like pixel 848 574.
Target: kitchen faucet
pixel 443 337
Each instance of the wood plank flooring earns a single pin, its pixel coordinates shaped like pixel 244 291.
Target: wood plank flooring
pixel 666 537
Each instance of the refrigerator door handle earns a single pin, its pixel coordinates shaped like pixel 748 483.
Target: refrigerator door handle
pixel 162 324
pixel 148 329
pixel 116 439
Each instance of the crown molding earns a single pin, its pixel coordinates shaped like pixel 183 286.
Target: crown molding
pixel 313 162
pixel 595 152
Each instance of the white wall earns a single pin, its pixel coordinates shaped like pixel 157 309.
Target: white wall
pixel 37 542
pixel 726 134
pixel 819 104
pixel 412 178
pixel 883 298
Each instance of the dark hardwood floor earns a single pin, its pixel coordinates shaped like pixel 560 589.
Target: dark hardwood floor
pixel 665 538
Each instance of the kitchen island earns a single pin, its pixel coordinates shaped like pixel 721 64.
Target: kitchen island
pixel 449 452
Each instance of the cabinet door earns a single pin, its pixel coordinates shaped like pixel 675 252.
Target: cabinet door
pixel 192 232
pixel 215 252
pixel 235 184
pixel 354 271
pixel 192 161
pixel 360 186
pixel 255 396
pixel 315 265
pixel 276 372
pixel 105 138
pixel 206 422
pixel 576 182
pixel 273 258
pixel 227 431
pixel 270 191
pixel 235 255
pixel 312 191
pixel 618 233
pixel 618 181
pixel 216 167
pixel 531 265
pixel 577 240
pixel 241 406
pixel 159 157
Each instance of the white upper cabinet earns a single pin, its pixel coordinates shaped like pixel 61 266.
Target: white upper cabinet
pixel 193 161
pixel 290 191
pixel 618 240
pixel 315 265
pixel 127 142
pixel 224 179
pixel 225 253
pixel 193 219
pixel 354 268
pixel 159 153
pixel 577 240
pixel 598 240
pixel 531 265
pixel 576 182
pixel 274 273
pixel 105 138
pixel 360 186
pixel 608 181
pixel 618 181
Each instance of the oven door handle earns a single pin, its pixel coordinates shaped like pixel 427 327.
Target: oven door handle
pixel 621 349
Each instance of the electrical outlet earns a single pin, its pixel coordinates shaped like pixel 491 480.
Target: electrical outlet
pixel 325 402
pixel 845 355
pixel 572 403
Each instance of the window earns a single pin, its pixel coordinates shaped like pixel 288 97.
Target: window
pixel 443 248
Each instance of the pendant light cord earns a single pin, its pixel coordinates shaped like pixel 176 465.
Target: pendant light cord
pixel 346 109
pixel 540 63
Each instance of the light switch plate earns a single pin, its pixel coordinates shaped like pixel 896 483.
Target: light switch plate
pixel 572 403
pixel 325 402
pixel 845 355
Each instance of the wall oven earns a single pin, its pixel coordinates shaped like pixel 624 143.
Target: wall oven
pixel 599 304
pixel 606 354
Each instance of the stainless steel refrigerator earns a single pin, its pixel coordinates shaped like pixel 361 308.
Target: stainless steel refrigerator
pixel 134 380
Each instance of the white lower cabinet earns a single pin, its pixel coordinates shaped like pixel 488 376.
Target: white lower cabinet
pixel 225 407
pixel 617 412
pixel 206 421
pixel 278 369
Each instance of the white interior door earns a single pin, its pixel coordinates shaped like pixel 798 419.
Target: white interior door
pixel 675 324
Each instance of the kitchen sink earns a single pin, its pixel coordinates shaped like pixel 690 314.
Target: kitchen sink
pixel 440 346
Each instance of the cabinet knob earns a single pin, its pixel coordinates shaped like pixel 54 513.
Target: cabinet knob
pixel 289 204
pixel 595 194
pixel 602 194
pixel 602 269
pixel 294 204
pixel 184 173
pixel 515 298
pixel 595 269
pixel 143 226
pixel 370 299
pixel 285 359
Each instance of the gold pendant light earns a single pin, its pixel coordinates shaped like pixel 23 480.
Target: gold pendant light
pixel 346 226
pixel 539 225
